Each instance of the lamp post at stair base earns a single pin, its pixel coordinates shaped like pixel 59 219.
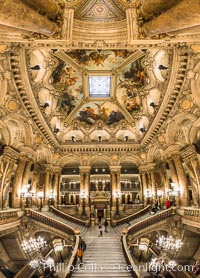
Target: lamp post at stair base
pixel 83 196
pixel 40 196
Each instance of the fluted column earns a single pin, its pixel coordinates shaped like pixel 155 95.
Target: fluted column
pixel 182 181
pixel 165 180
pixel 14 13
pixel 50 7
pixel 35 183
pixel 153 185
pixel 17 182
pixel 47 183
pixel 183 15
pixel 152 7
pixel 56 185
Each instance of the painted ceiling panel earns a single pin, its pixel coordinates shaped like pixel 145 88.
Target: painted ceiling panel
pixel 100 59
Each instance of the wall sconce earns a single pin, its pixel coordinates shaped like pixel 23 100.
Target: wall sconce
pixel 99 138
pixel 73 138
pixel 142 129
pixel 126 138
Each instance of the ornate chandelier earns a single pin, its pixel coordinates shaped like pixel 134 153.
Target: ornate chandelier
pixel 169 243
pixel 33 244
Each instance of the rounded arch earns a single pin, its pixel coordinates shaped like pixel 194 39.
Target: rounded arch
pixel 103 159
pixel 154 152
pixel 20 130
pixel 69 160
pixel 44 153
pixel 133 159
pixel 178 131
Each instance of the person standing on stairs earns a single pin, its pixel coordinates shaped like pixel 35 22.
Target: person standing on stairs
pixel 79 255
pixel 106 226
pixel 100 230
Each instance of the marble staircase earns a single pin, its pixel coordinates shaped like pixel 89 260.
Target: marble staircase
pixel 103 258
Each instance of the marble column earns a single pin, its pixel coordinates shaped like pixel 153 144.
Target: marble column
pixel 184 14
pixel 165 180
pixel 113 187
pixel 15 14
pixel 17 182
pixel 56 186
pixel 50 7
pixel 196 168
pixel 47 184
pixel 144 186
pixel 85 182
pixel 35 183
pixel 153 185
pixel 152 7
pixel 182 181
pixel 26 174
pixel 172 171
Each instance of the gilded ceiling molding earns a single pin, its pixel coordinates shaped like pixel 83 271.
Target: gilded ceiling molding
pixel 172 92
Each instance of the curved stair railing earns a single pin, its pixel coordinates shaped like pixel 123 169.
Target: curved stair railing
pixel 151 220
pixel 51 222
pixel 131 217
pixel 69 217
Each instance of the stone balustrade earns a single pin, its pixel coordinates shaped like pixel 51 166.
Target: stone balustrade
pixel 51 222
pixel 8 216
pixel 192 213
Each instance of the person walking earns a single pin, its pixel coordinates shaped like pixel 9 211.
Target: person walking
pixel 100 230
pixel 79 255
pixel 82 245
pixel 106 226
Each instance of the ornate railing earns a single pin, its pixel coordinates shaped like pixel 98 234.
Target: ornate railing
pixel 69 217
pixel 72 261
pixel 8 216
pixel 192 213
pixel 25 272
pixel 51 222
pixel 131 217
pixel 150 220
pixel 130 263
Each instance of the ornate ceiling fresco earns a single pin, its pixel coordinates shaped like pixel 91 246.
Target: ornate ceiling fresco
pixel 98 70
pixel 60 84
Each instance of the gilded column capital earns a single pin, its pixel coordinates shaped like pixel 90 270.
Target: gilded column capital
pixel 85 169
pixel 115 169
pixel 189 152
pixel 48 168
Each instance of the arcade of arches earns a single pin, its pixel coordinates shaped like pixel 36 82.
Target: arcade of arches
pixel 99 115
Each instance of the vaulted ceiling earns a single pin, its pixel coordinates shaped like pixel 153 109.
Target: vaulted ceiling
pixel 99 77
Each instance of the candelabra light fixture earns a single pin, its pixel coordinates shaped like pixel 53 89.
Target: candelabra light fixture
pixel 148 194
pixel 36 245
pixel 27 194
pixel 40 197
pixel 51 197
pixel 169 243
pixel 33 244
